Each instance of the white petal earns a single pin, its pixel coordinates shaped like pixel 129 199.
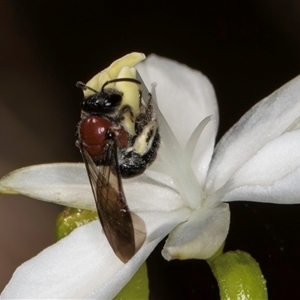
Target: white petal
pixel 67 184
pixel 62 183
pixel 83 266
pixel 265 121
pixel 185 97
pixel 272 175
pixel 201 236
pixel 151 191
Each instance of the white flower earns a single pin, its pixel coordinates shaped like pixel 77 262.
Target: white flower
pixel 184 193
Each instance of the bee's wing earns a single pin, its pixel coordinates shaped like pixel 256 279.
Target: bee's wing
pixel 125 231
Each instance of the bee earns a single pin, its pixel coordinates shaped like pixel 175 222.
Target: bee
pixel 112 151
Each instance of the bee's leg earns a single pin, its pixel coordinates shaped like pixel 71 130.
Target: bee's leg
pixel 126 112
pixel 143 152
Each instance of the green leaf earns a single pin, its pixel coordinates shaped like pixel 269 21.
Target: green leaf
pixel 239 276
pixel 137 288
pixel 71 218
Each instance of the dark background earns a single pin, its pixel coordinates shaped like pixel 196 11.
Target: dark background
pixel 247 49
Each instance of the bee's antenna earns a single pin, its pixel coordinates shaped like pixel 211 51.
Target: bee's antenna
pixel 120 79
pixel 84 87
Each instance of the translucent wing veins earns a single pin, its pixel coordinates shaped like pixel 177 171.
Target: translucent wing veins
pixel 125 231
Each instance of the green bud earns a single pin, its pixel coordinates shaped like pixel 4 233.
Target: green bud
pixel 71 218
pixel 137 288
pixel 239 276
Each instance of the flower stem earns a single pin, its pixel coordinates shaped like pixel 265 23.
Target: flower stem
pixel 239 276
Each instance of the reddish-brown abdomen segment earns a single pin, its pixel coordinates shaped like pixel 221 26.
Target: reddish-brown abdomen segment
pixel 95 131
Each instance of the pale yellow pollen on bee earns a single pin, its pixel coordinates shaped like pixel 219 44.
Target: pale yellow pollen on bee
pixel 131 97
pixel 142 143
pixel 112 72
pixel 96 83
pixel 129 89
pixel 129 60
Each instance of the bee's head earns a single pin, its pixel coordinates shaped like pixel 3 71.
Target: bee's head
pixel 107 101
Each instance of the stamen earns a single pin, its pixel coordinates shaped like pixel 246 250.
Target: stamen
pixel 172 155
pixel 189 148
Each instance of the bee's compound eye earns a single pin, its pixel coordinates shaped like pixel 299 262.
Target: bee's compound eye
pixel 93 133
pixel 105 102
pixel 112 100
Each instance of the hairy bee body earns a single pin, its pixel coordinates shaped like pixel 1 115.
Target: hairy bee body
pixel 117 141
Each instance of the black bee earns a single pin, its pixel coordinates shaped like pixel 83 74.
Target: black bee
pixel 117 141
